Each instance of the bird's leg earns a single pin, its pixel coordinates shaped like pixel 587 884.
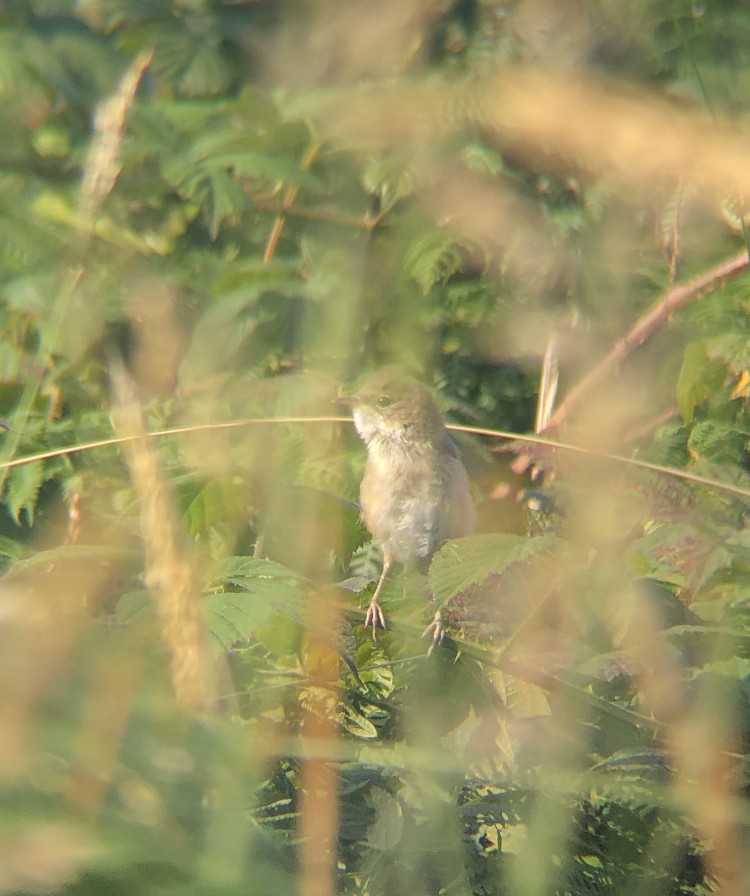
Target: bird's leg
pixel 375 615
pixel 436 629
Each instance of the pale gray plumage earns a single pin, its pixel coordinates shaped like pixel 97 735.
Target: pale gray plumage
pixel 415 492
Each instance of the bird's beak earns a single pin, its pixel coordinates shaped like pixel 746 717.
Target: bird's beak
pixel 345 398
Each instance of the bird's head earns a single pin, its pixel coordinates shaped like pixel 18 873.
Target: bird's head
pixel 392 407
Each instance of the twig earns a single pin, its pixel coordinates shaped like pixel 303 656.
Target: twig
pixel 288 201
pixel 643 328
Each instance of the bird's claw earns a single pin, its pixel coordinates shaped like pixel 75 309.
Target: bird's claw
pixel 437 630
pixel 375 618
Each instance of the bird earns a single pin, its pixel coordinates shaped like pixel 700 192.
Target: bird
pixel 415 492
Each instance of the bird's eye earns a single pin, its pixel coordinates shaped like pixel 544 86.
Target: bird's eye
pixel 384 401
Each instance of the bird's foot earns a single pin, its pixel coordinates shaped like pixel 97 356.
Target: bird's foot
pixel 437 630
pixel 375 618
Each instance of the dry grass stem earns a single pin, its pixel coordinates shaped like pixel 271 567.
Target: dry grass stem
pixel 170 574
pixel 674 299
pixel 569 124
pixel 102 166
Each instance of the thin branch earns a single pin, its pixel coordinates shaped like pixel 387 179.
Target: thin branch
pixel 644 327
pixel 288 201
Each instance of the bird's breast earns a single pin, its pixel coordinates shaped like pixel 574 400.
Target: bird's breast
pixel 413 500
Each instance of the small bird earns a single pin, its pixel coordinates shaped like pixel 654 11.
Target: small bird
pixel 415 491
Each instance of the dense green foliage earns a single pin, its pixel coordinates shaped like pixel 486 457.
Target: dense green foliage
pixel 244 232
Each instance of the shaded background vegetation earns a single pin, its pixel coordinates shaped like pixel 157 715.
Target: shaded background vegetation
pixel 212 215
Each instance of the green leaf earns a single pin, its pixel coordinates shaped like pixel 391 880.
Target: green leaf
pixel 219 501
pixel 23 487
pixel 699 378
pixel 206 72
pixel 254 275
pixel 731 349
pixel 234 616
pixel 134 606
pixel 718 443
pixel 11 360
pixel 432 258
pixel 225 200
pixel 482 158
pixel 464 562
pixel 386 832
pixel 32 294
pixel 524 699
pixel 281 635
pixel 674 553
pixel 252 574
pixel 227 323
pixel 189 59
pixel 267 587
pixel 105 555
pixel 357 724
pixel 391 180
pixel 10 548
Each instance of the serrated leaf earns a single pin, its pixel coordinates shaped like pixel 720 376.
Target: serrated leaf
pixel 32 294
pixel 224 635
pixel 674 552
pixel 252 573
pixel 10 548
pixel 234 616
pixel 698 379
pixel 251 276
pixel 464 562
pixel 281 635
pixel 525 700
pixel 226 323
pixel 206 73
pixel 432 258
pixel 732 349
pixel 23 487
pixel 482 159
pixel 226 200
pixel 191 59
pixel 260 165
pixel 270 606
pixel 390 179
pixel 718 560
pixel 718 443
pixel 217 501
